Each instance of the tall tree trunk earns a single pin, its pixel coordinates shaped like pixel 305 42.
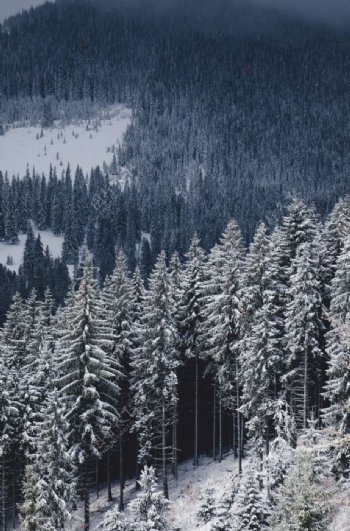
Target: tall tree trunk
pixel 238 405
pixel 97 478
pixel 195 450
pixel 14 493
pixel 306 397
pixel 234 434
pixel 214 422
pixel 137 467
pixel 174 444
pixel 109 478
pixel 164 469
pixel 121 474
pixel 86 497
pixel 3 492
pixel 220 428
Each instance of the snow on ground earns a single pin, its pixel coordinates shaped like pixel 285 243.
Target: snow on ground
pixel 16 251
pixel 186 494
pixel 86 144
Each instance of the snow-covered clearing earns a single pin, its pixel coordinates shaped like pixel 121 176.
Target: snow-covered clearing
pixel 16 251
pixel 87 144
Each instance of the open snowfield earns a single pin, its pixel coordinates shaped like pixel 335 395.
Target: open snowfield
pixel 16 251
pixel 86 144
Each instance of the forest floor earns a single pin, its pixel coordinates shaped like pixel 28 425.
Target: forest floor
pixel 188 493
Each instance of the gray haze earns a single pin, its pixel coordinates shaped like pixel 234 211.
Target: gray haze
pixel 11 7
pixel 331 11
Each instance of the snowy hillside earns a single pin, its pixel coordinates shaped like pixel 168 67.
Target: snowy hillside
pixel 86 144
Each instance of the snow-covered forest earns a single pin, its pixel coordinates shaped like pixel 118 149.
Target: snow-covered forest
pixel 174 268
pixel 241 351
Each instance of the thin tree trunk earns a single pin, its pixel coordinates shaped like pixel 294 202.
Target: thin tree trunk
pixel 121 473
pixel 3 492
pixel 305 389
pixel 97 478
pixel 137 467
pixel 14 499
pixel 109 479
pixel 164 469
pixel 195 452
pixel 234 435
pixel 86 498
pixel 239 434
pixel 214 423
pixel 174 460
pixel 220 429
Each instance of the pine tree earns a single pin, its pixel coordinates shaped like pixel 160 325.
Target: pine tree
pixel 304 329
pixel 190 308
pixel 302 502
pixel 155 363
pixel 149 508
pixel 87 376
pixel 114 520
pixel 221 330
pixel 207 509
pixel 338 347
pixel 250 508
pixel 54 469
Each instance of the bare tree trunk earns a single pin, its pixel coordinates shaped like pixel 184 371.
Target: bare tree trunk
pixel 174 445
pixel 234 435
pixel 121 474
pixel 195 452
pixel 239 434
pixel 3 492
pixel 305 412
pixel 86 498
pixel 214 422
pixel 14 498
pixel 97 479
pixel 220 428
pixel 109 479
pixel 137 467
pixel 164 468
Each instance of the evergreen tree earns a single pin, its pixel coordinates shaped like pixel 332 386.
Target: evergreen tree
pixel 338 346
pixel 87 376
pixel 149 508
pixel 250 509
pixel 222 319
pixel 155 363
pixel 302 502
pixel 304 329
pixel 190 318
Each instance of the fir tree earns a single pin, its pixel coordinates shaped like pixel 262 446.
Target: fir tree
pixel 149 508
pixel 155 363
pixel 87 376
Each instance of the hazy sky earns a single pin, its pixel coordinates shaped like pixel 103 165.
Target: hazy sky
pixel 11 7
pixel 333 11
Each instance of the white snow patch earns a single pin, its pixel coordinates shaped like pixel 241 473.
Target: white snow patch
pixel 86 144
pixel 16 251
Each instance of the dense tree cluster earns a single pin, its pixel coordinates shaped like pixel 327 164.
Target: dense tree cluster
pixel 266 326
pixel 227 122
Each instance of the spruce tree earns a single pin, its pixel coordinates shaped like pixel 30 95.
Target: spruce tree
pixel 304 329
pixel 190 318
pixel 155 363
pixel 87 376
